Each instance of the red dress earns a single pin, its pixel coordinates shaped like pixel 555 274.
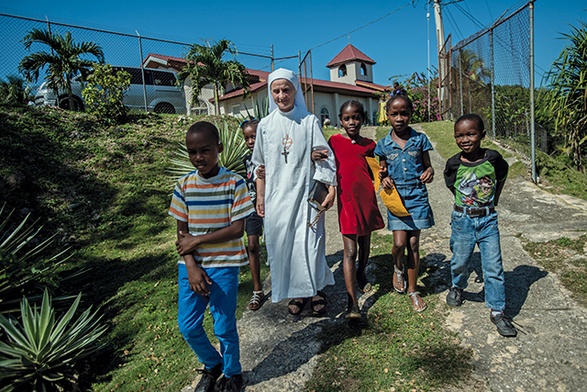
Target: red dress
pixel 358 212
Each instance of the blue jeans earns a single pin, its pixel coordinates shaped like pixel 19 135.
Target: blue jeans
pixel 482 231
pixel 222 302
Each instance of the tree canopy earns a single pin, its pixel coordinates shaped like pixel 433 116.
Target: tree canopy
pixel 63 62
pixel 205 65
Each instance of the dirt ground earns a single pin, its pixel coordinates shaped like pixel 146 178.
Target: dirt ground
pixel 550 351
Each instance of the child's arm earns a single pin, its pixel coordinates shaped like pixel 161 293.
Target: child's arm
pixel 260 191
pixel 428 174
pixel 386 181
pixel 198 279
pixel 187 243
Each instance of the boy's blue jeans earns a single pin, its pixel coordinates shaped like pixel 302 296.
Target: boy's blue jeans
pixel 222 302
pixel 482 231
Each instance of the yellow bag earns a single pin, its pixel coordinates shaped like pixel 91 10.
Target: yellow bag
pixel 393 202
pixel 390 197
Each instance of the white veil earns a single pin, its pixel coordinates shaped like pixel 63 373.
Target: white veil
pixel 288 75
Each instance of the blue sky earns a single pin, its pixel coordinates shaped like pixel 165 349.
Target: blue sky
pixel 394 33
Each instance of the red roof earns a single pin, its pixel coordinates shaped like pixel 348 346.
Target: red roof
pixel 349 53
pixel 326 86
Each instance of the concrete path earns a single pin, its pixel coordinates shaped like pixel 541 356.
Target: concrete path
pixel 279 351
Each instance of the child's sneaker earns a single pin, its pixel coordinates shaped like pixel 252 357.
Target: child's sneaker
pixel 455 297
pixel 208 380
pixel 230 384
pixel 503 324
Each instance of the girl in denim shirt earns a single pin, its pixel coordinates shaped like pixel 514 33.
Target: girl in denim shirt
pixel 405 165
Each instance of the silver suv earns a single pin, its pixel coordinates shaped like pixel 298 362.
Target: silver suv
pixel 159 93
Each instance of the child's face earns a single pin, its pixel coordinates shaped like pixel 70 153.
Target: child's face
pixel 250 134
pixel 467 136
pixel 283 93
pixel 399 115
pixel 351 120
pixel 203 151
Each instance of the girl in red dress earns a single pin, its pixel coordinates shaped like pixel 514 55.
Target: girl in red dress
pixel 358 213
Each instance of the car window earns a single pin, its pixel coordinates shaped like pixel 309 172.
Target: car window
pixel 163 78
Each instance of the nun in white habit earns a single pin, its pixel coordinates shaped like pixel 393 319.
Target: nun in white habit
pixel 284 144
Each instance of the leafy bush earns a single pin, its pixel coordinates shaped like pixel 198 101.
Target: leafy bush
pixel 104 92
pixel 41 353
pixel 25 261
pixel 14 91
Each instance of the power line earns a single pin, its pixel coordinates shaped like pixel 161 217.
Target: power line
pixel 414 2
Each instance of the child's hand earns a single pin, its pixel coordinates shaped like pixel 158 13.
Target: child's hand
pixel 382 172
pixel 319 155
pixel 387 183
pixel 186 243
pixel 261 172
pixel 329 199
pixel 427 176
pixel 260 206
pixel 199 281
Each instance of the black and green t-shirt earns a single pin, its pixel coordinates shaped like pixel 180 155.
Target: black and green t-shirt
pixel 474 184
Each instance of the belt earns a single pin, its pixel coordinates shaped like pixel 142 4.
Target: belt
pixel 475 212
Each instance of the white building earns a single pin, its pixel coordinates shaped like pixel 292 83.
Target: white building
pixel 351 77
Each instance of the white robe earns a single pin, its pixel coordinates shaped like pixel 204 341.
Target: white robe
pixel 296 252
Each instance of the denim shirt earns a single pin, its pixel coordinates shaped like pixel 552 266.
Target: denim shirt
pixel 404 166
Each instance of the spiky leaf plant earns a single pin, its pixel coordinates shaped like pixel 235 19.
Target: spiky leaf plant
pixel 40 352
pixel 231 158
pixel 26 261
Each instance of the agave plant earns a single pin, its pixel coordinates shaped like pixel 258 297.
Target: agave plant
pixel 25 261
pixel 231 158
pixel 39 353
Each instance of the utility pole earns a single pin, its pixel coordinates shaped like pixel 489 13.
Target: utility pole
pixel 442 66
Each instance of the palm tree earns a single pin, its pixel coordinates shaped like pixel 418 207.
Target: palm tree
pixel 205 66
pixel 565 100
pixel 473 74
pixel 14 90
pixel 62 63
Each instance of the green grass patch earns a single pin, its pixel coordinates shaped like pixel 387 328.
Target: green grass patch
pixel 396 348
pixel 567 258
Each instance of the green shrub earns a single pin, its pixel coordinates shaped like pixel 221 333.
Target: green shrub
pixel 40 353
pixel 25 261
pixel 104 92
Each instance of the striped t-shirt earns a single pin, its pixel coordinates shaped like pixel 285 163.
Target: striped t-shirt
pixel 211 204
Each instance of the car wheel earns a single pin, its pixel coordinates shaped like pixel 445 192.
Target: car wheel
pixel 78 105
pixel 164 107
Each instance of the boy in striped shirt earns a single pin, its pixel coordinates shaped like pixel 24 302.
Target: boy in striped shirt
pixel 210 205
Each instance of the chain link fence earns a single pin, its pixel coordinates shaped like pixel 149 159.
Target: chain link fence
pixel 120 49
pixel 490 76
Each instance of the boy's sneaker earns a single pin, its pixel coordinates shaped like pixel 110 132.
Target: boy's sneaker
pixel 208 380
pixel 230 384
pixel 503 324
pixel 455 297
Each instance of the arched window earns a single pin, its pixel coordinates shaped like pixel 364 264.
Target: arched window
pixel 324 115
pixel 363 69
pixel 342 71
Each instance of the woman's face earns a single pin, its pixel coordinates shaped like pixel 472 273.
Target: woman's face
pixel 283 93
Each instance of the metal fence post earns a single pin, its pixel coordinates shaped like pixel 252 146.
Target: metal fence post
pixel 142 71
pixel 492 68
pixel 532 114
